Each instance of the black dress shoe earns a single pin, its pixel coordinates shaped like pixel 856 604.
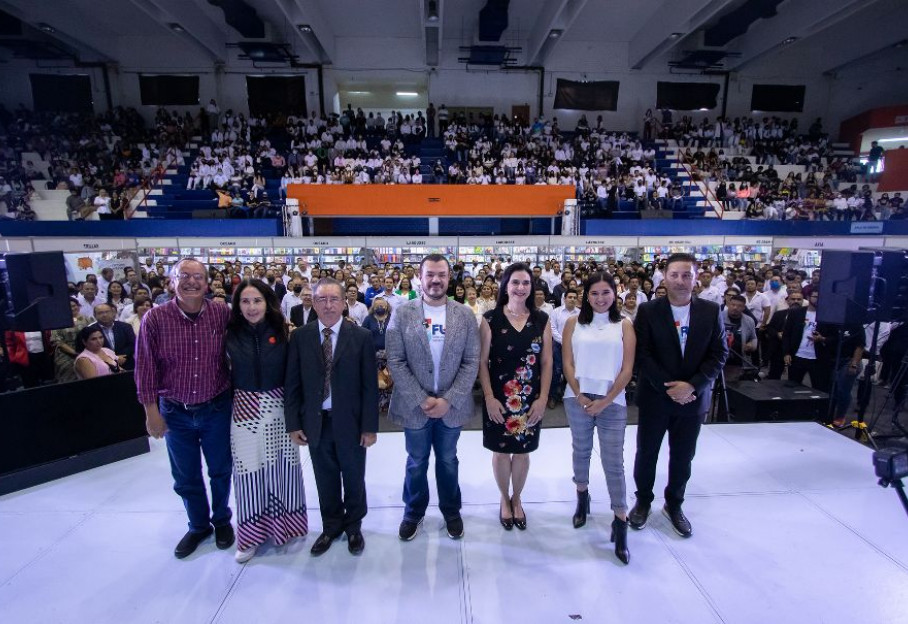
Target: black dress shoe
pixel 355 543
pixel 223 536
pixel 679 521
pixel 322 544
pixel 583 508
pixel 638 515
pixel 190 542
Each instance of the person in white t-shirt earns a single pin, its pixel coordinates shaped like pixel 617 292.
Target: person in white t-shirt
pixel 681 349
pixel 558 318
pixel 432 397
pixel 356 310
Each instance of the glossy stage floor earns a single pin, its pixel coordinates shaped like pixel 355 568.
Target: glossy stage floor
pixel 789 526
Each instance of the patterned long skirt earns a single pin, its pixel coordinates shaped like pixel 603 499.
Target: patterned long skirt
pixel 267 477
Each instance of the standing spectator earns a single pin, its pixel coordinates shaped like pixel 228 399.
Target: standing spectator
pixel 515 373
pixel 443 116
pixel 598 364
pixel 184 384
pixel 88 299
pixel 267 477
pixel 741 335
pixel 377 323
pixel 356 310
pixel 433 353
pixel 430 121
pixel 559 318
pixel 873 160
pixel 332 406
pixel 681 349
pixel 795 299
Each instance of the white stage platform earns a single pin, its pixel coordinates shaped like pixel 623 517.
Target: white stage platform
pixel 789 526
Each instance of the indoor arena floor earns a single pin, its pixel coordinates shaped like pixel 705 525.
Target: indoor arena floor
pixel 789 526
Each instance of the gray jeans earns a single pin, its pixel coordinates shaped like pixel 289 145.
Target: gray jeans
pixel 610 424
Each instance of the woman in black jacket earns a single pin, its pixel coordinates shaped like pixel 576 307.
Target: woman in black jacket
pixel 267 477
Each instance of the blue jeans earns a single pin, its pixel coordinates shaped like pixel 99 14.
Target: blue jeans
pixel 420 442
pixel 610 424
pixel 844 383
pixel 191 431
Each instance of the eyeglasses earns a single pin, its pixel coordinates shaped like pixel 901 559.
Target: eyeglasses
pixel 332 300
pixel 193 276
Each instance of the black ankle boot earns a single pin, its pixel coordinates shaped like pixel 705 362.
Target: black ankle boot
pixel 583 508
pixel 619 537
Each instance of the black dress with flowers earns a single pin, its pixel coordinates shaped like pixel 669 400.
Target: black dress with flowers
pixel 515 368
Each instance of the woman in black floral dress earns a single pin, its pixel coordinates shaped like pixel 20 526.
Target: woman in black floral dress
pixel 515 372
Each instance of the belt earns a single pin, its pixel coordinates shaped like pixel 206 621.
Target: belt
pixel 192 406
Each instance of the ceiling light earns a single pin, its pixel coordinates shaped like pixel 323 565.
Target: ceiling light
pixel 358 92
pixel 47 27
pixel 432 11
pixel 790 40
pixel 555 33
pixel 306 28
pixel 675 35
pixel 407 94
pixel 893 140
pixel 176 28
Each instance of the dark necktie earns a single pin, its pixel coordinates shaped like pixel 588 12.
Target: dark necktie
pixel 328 355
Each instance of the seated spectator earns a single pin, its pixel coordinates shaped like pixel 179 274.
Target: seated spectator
pixel 94 359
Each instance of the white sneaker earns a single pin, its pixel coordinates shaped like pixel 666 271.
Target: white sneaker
pixel 242 556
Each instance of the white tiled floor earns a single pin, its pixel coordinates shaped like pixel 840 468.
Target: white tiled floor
pixel 789 523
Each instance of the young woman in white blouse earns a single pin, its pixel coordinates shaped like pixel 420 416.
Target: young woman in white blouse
pixel 598 358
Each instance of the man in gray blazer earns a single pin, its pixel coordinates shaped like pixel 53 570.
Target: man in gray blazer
pixel 432 346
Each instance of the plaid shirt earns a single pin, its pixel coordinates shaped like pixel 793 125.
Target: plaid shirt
pixel 179 358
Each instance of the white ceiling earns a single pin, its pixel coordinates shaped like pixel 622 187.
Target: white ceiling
pixel 832 34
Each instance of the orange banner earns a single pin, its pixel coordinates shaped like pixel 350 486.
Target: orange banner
pixel 429 200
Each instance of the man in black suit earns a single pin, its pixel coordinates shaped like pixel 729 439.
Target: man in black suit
pixel 276 284
pixel 681 348
pixel 119 337
pixel 303 313
pixel 331 405
pixel 830 353
pixel 795 299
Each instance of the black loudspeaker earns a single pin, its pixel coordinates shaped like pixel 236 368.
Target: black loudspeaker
pixel 775 400
pixel 845 294
pixel 890 284
pixel 35 291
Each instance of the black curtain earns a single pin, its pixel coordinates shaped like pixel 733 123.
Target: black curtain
pixel 777 98
pixel 591 96
pixel 56 93
pixel 276 94
pixel 169 90
pixel 687 96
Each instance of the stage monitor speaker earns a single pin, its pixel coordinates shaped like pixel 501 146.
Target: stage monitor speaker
pixel 35 291
pixel 845 287
pixel 890 283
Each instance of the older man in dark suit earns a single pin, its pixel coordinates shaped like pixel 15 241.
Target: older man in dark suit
pixel 331 405
pixel 681 349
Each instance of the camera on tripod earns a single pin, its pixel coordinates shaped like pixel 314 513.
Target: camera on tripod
pixel 890 464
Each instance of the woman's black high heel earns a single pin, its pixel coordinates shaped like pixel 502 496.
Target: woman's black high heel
pixel 506 523
pixel 520 523
pixel 583 508
pixel 619 537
